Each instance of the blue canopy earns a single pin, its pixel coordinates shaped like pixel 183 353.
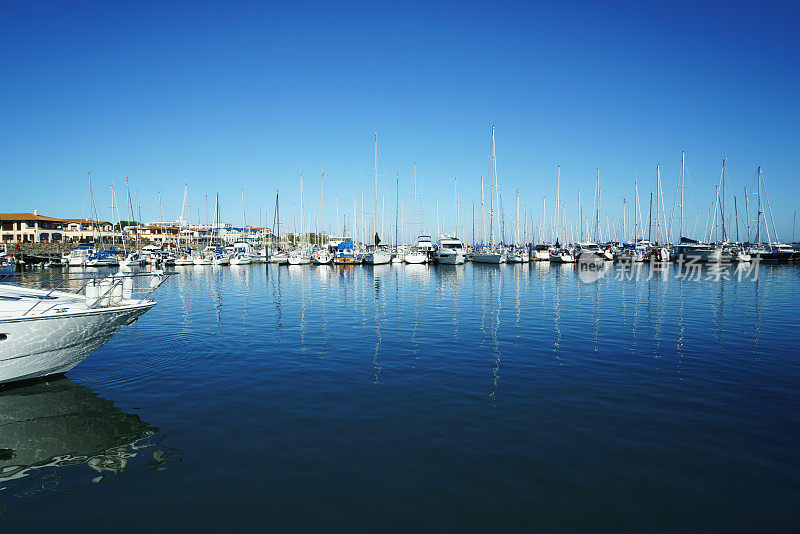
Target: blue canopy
pixel 345 245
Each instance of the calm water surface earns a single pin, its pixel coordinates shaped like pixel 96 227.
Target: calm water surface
pixel 404 398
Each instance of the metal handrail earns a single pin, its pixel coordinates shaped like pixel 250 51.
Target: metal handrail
pixel 88 278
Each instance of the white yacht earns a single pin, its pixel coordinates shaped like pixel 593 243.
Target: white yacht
pixel 449 251
pixel 591 249
pixel 134 259
pixel 415 256
pixel 561 255
pixel 49 331
pixel 242 254
pixel 78 256
pixel 7 262
pixel 425 246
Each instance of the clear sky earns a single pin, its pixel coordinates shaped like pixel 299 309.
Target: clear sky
pixel 232 96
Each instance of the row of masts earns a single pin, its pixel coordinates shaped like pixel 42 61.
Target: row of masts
pixel 597 227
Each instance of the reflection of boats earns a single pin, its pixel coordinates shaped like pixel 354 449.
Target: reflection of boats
pixel 60 423
pixel 45 332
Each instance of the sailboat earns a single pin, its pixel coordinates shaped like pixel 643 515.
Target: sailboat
pixel 519 253
pixel 242 252
pixel 321 254
pixel 491 254
pixel 377 255
pixel 301 254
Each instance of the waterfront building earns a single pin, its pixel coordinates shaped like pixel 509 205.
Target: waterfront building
pixel 30 228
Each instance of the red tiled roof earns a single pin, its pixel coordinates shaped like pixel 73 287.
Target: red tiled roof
pixel 27 217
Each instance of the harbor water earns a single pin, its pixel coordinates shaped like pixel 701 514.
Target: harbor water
pixel 397 398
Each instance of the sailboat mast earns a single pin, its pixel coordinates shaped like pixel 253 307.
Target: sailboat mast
pixel 375 213
pixel 747 213
pixel 758 213
pixel 516 222
pixel 722 203
pixel 635 209
pixel 683 167
pixel 491 198
pixel 483 226
pixel 396 208
pixel 455 206
pixel 322 216
pixel 558 201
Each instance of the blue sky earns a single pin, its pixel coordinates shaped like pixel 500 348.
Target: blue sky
pixel 244 96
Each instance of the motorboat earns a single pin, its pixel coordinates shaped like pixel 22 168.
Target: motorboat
pixel 561 255
pixel 78 255
pixel 449 251
pixel 541 252
pixel 415 256
pixel 102 259
pixel 46 329
pixel 345 254
pixel 589 251
pixel 7 261
pixel 134 259
pixel 425 246
pixel 241 254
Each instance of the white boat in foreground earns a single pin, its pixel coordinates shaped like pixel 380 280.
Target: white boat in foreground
pixel 49 331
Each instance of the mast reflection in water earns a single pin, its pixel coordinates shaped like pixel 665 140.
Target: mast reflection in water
pixel 398 398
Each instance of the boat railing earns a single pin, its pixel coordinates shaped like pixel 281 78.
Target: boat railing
pixel 101 291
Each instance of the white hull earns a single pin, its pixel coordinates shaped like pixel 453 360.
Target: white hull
pixel 241 260
pixel 415 258
pixel 378 258
pixel 562 258
pixel 322 258
pixel 492 257
pixel 450 259
pixel 39 346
